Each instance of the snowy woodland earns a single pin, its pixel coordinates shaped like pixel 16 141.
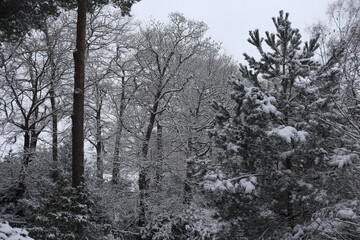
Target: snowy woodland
pixel 168 138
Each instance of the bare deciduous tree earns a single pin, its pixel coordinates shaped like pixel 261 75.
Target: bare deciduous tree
pixel 25 89
pixel 163 51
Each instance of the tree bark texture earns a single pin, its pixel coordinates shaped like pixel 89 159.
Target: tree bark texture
pixel 78 104
pixel 54 134
pixel 116 158
pixel 54 125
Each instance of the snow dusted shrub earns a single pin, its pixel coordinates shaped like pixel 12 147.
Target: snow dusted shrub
pixel 338 221
pixel 191 224
pixel 65 213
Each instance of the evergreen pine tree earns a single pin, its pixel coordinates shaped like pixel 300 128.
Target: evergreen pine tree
pixel 67 213
pixel 272 143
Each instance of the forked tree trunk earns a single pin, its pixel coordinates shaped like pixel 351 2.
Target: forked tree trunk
pixel 143 182
pixel 29 149
pixel 78 104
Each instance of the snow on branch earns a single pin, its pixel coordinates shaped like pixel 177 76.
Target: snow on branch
pixel 342 157
pixel 215 181
pixel 288 134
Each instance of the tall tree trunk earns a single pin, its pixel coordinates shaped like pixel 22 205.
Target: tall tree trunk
pixel 189 173
pixel 143 182
pixel 29 146
pixel 116 158
pixel 78 104
pixel 54 133
pixel 52 95
pixel 160 156
pixel 25 162
pixel 54 126
pixel 99 144
pixel 54 116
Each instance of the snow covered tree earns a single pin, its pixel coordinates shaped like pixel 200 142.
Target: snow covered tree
pixel 126 73
pixel 272 143
pixel 163 50
pixel 62 215
pixel 344 23
pixel 190 115
pixel 105 32
pixel 26 82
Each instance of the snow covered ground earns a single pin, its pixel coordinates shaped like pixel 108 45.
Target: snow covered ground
pixel 9 233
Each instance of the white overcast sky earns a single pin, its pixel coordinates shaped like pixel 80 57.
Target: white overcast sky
pixel 229 21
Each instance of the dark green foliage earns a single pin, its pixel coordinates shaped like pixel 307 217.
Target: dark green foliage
pixel 51 210
pixel 56 210
pixel 19 17
pixel 188 224
pixel 125 5
pixel 237 209
pixel 66 213
pixel 286 58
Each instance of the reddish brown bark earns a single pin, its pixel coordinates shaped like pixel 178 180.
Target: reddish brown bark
pixel 78 104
